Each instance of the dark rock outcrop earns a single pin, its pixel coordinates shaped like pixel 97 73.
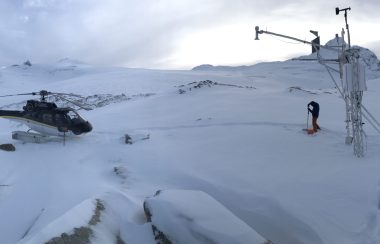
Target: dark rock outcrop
pixel 8 147
pixel 82 235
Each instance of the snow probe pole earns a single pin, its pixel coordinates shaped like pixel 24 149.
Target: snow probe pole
pixel 307 121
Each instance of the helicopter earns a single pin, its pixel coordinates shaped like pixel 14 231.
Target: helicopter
pixel 47 118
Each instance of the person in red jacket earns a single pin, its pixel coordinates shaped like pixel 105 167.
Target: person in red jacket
pixel 315 113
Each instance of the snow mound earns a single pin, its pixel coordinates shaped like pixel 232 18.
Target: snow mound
pixel 185 216
pixel 78 216
pixel 96 221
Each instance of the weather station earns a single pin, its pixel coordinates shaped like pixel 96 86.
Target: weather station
pixel 352 85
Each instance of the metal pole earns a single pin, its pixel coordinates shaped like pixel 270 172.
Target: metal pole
pixel 291 38
pixel 348 30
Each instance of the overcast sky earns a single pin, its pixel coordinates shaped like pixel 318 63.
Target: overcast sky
pixel 174 34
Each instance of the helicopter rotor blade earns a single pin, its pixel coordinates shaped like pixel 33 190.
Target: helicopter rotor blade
pixel 65 94
pixel 47 93
pixel 21 94
pixel 43 93
pixel 83 106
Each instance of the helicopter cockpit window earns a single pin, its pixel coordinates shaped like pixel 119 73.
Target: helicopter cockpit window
pixel 73 115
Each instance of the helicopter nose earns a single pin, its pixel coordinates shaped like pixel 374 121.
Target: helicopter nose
pixel 79 127
pixel 87 127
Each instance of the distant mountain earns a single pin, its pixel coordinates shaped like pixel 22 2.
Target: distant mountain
pixel 210 67
pixel 70 62
pixel 367 57
pixel 60 70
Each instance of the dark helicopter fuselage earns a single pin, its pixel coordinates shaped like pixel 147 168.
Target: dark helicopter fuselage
pixel 47 119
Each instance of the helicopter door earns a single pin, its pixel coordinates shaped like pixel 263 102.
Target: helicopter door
pixel 62 121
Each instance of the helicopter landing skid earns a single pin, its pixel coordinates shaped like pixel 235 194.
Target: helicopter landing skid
pixel 33 137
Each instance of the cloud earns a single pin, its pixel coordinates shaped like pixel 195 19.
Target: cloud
pixel 114 32
pixel 146 33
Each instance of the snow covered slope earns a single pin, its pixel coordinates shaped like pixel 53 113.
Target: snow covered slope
pixel 234 134
pixel 367 58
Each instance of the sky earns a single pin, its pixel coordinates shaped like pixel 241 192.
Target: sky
pixel 175 34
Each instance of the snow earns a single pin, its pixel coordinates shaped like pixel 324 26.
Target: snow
pixel 241 143
pixel 76 217
pixel 195 217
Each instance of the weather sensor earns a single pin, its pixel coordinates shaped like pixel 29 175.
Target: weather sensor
pixel 337 10
pixel 257 33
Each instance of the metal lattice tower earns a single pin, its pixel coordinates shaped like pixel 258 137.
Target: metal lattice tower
pixel 353 86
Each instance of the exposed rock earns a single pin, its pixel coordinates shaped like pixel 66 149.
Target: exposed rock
pixel 311 91
pixel 83 234
pixel 128 139
pixel 181 91
pixel 121 171
pixel 207 83
pixel 80 236
pixel 8 147
pixel 96 217
pixel 133 138
pixel 93 101
pixel 159 236
pixel 27 63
